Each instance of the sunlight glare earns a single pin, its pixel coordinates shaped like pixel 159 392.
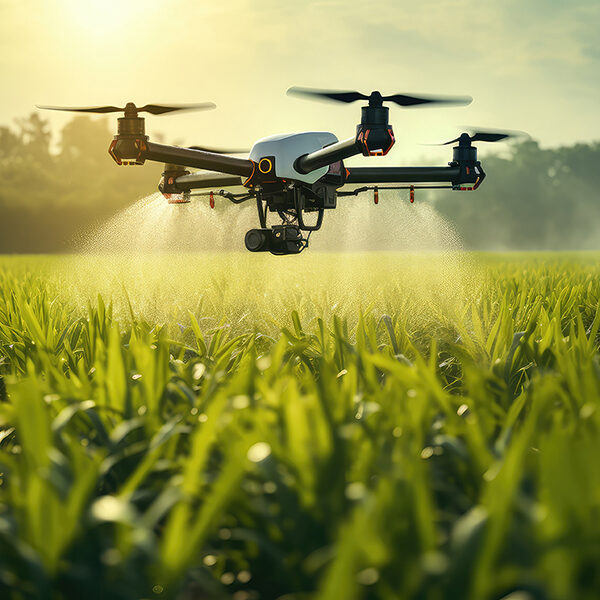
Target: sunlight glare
pixel 104 17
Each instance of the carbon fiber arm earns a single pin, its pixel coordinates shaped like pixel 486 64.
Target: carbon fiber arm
pixel 402 174
pixel 196 181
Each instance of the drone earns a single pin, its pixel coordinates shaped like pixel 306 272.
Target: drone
pixel 295 177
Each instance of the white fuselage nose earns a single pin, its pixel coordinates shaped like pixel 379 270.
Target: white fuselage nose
pixel 286 148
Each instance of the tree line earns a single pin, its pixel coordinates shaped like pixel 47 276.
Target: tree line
pixel 533 198
pixel 50 193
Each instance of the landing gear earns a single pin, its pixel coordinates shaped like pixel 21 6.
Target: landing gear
pixel 290 203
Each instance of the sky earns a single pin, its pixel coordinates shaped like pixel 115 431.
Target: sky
pixel 531 65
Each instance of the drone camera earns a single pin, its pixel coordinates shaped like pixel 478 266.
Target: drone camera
pixel 257 240
pixel 280 239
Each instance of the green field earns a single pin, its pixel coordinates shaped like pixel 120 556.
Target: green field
pixel 330 426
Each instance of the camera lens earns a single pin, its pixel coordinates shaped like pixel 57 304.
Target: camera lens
pixel 256 240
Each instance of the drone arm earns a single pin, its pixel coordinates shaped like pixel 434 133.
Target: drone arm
pixel 198 159
pixel 195 181
pixel 402 174
pixel 328 155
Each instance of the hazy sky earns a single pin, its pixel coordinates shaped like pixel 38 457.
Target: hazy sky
pixel 529 64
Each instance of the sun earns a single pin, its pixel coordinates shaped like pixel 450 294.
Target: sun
pixel 103 17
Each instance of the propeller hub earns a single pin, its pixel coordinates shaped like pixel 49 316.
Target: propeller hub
pixel 464 140
pixel 130 110
pixel 375 99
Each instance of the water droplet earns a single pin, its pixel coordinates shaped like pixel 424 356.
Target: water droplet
pixel 111 557
pixel 259 451
pixel 427 452
pixel 198 370
pixel 110 508
pixel 270 487
pixel 368 576
pixel 227 578
pixel 355 490
pixel 263 363
pixel 240 402
pixel 434 563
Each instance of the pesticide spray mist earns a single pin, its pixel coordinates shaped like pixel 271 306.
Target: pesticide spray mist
pixel 166 260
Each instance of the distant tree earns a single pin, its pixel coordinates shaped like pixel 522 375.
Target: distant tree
pixel 36 137
pixel 47 198
pixel 535 199
pixel 85 140
pixel 10 144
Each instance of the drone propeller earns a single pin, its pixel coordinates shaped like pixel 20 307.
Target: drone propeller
pixel 220 150
pixel 131 110
pixel 376 99
pixel 491 135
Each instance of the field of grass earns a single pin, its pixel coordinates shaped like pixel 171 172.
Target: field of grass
pixel 373 426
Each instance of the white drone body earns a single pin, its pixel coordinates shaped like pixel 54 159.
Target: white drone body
pixel 285 148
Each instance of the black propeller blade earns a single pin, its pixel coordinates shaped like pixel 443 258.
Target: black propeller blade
pixel 220 150
pixel 376 99
pixel 130 109
pixel 492 135
pixel 161 109
pixel 97 109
